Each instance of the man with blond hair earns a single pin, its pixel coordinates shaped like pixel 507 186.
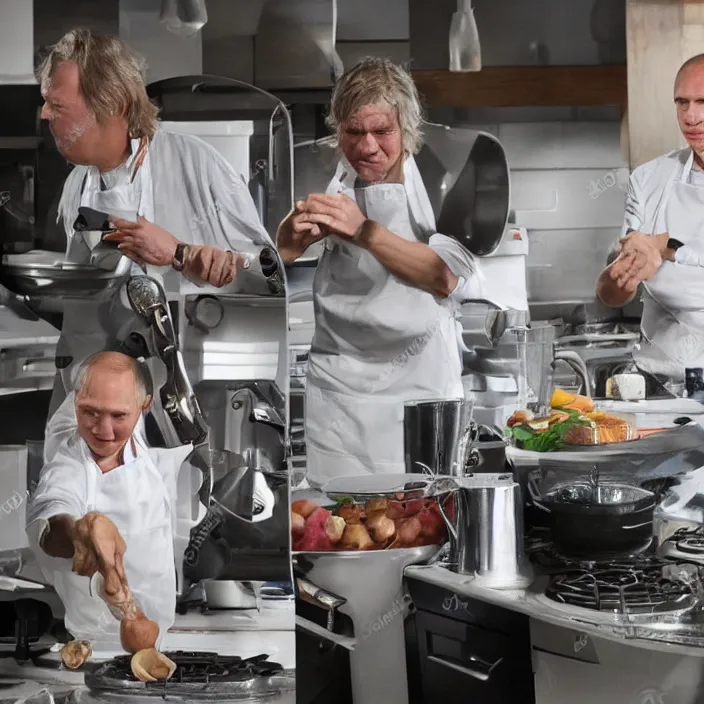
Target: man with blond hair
pixel 177 205
pixel 106 503
pixel 386 287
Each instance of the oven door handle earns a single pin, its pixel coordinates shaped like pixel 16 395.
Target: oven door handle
pixel 482 672
pixel 314 629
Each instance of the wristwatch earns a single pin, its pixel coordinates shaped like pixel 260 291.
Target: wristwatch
pixel 674 244
pixel 179 256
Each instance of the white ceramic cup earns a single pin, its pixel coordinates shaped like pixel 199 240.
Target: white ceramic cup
pixel 629 387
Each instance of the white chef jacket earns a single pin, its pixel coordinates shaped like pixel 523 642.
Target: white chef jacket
pixel 184 186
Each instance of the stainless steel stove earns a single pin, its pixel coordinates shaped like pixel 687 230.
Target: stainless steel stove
pixel 199 676
pixel 685 544
pixel 641 585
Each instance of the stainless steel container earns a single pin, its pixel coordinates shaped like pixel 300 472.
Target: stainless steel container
pixel 488 534
pixel 437 435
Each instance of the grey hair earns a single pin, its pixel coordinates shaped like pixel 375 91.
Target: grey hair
pixel 115 362
pixel 373 81
pixel 111 78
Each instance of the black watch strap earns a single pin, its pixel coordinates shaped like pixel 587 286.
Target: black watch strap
pixel 180 256
pixel 674 244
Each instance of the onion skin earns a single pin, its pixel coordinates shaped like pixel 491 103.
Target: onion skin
pixel 75 653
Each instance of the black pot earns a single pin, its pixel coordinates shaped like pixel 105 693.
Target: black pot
pixel 615 519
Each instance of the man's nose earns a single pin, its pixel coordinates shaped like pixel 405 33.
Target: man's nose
pixel 693 115
pixel 45 114
pixel 368 144
pixel 103 428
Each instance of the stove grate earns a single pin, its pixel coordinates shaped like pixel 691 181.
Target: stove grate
pixel 202 668
pixel 641 585
pixel 688 541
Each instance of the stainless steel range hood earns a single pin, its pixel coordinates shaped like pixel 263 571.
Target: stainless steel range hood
pixel 293 40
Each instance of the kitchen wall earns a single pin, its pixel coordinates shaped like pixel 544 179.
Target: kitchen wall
pixel 568 166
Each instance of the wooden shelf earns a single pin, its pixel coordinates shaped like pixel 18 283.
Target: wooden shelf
pixel 524 86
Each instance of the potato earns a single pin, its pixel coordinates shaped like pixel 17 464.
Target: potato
pixel 408 531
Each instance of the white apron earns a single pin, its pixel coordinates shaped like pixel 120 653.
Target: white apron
pixel 135 498
pixel 672 325
pixel 378 342
pixel 90 326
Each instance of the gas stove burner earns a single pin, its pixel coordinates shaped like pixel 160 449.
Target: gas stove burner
pixel 202 676
pixel 644 585
pixel 688 541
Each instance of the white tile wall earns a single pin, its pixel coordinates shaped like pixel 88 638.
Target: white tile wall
pixel 568 182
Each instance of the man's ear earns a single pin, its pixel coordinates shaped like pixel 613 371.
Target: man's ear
pixel 147 404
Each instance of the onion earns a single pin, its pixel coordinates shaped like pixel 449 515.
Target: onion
pixel 334 528
pixel 138 633
pixel 304 507
pixel 149 665
pixel 75 653
pixel 408 530
pixel 381 528
pixel 376 506
pixel 352 513
pixel 356 537
pixel 298 524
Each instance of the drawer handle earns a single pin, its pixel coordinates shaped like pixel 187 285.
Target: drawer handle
pixel 483 673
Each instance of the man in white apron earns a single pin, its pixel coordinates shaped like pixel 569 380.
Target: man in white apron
pixel 663 244
pixel 105 467
pixel 386 286
pixel 179 208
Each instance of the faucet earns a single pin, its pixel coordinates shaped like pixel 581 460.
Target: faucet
pixel 580 368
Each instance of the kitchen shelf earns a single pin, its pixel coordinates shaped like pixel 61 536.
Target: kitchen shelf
pixel 526 86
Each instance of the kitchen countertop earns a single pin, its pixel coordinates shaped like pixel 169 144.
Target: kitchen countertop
pixel 533 603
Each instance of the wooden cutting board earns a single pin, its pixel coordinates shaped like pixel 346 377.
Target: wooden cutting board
pixel 661 35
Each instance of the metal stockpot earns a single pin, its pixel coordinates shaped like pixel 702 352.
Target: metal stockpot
pixel 437 436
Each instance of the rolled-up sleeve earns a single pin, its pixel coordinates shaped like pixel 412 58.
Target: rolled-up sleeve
pixel 61 490
pixel 462 264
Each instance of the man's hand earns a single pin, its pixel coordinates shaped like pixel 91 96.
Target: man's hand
pixel 339 214
pixel 212 265
pixel 296 233
pixel 639 259
pixel 99 547
pixel 144 242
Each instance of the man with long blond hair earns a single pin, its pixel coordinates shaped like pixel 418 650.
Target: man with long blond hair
pixel 386 287
pixel 177 205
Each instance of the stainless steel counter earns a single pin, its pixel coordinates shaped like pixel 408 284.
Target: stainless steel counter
pixel 533 603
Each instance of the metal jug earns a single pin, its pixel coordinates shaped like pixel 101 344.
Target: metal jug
pixel 438 435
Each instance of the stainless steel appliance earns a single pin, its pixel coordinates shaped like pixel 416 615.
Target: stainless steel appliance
pixel 437 436
pixel 487 533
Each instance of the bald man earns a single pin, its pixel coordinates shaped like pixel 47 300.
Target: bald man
pixel 105 503
pixel 662 245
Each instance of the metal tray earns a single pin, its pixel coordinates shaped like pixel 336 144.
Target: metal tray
pixel 41 274
pixel 398 487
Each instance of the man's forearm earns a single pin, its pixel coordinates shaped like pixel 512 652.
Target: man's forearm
pixel 413 262
pixel 610 293
pixel 58 539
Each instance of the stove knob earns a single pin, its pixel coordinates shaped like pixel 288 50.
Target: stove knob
pixel 207 313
